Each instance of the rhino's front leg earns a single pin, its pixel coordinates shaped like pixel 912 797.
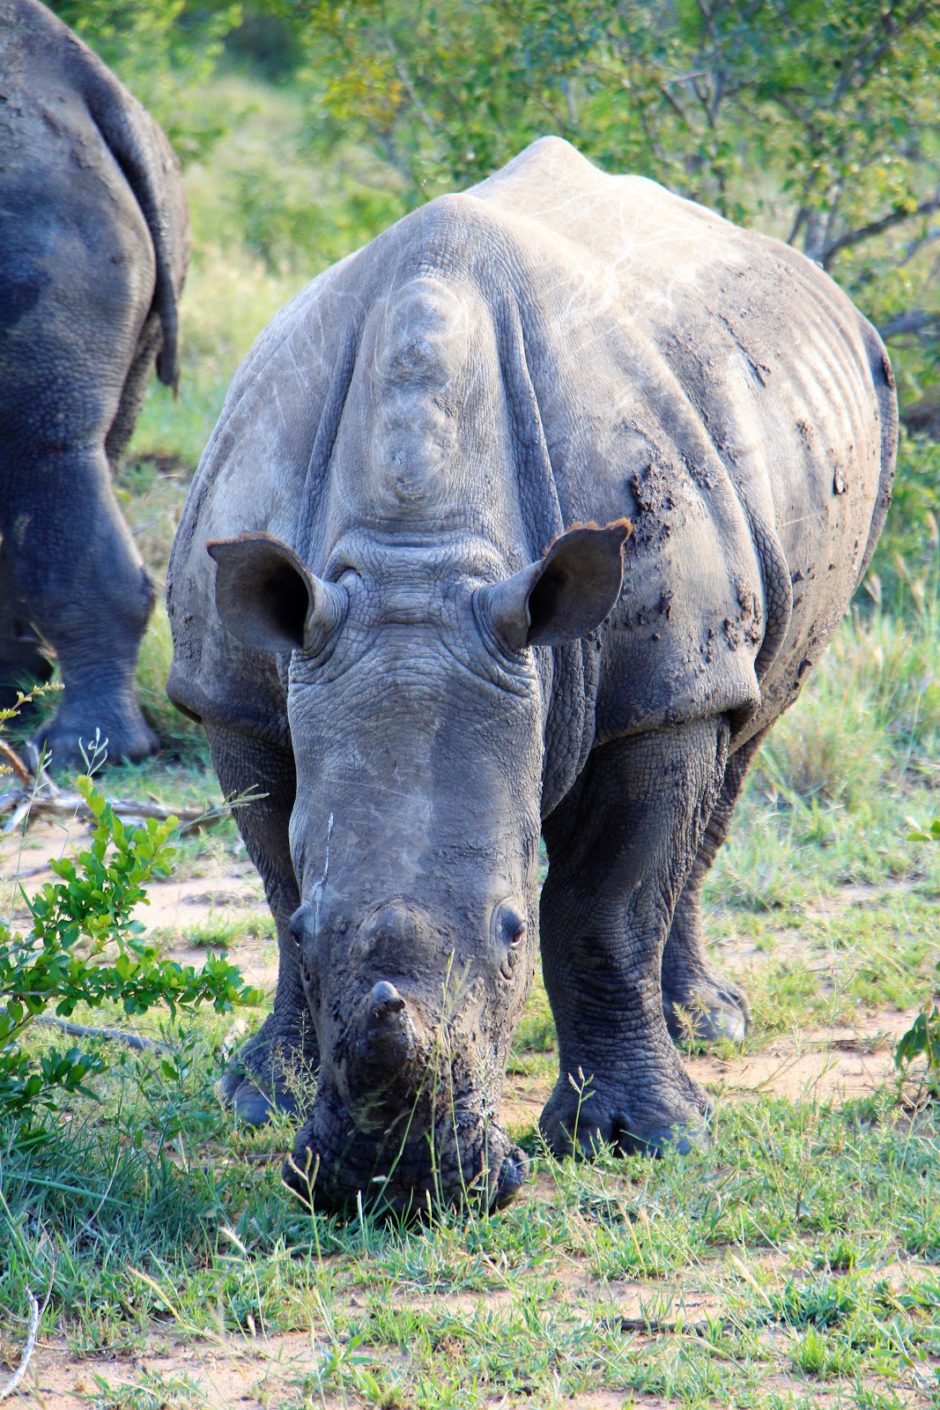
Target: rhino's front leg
pixel 619 854
pixel 276 1068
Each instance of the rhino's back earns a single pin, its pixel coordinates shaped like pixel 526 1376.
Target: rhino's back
pixel 722 391
pixel 92 219
pixel 659 363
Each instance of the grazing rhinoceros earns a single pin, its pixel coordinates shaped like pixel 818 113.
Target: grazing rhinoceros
pixel 93 248
pixel 416 630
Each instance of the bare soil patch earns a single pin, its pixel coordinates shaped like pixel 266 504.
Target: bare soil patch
pixel 248 1374
pixel 818 1065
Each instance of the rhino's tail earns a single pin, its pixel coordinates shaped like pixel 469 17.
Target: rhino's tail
pixel 152 171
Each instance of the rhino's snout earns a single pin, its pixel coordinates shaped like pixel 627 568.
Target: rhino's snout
pixel 511 1177
pixel 379 1078
pixel 466 1159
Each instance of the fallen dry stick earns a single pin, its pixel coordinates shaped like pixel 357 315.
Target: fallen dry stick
pixel 115 1035
pixel 21 803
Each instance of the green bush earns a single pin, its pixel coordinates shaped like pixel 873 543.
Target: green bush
pixel 922 1039
pixel 84 947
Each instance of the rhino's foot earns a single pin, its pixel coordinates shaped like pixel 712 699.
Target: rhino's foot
pixel 584 1120
pixel 274 1073
pixel 705 1009
pixel 125 736
pixel 251 1103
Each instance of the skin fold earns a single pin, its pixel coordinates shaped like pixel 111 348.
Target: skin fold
pixel 527 519
pixel 95 240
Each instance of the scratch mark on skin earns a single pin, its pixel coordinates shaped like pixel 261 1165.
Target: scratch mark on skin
pixel 803 518
pixel 321 883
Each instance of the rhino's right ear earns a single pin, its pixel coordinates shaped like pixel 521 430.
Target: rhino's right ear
pixel 267 597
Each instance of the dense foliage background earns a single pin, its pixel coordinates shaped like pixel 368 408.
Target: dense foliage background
pixel 306 126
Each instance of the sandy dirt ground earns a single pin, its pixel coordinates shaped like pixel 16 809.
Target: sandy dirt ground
pixel 829 1065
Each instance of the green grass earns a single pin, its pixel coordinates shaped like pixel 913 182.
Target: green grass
pixel 723 1262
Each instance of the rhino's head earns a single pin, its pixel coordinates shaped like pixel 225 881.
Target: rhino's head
pixel 416 717
pixel 416 708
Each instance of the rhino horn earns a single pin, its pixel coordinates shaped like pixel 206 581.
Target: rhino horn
pixel 267 597
pixel 563 596
pixel 380 1073
pixel 388 1039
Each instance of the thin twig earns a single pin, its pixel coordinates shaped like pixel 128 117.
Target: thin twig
pixel 58 804
pixel 28 1349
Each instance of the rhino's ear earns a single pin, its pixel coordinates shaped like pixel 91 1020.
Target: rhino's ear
pixel 267 597
pixel 565 595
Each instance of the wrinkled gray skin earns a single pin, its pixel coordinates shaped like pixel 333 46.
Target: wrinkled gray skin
pixel 93 247
pixel 374 639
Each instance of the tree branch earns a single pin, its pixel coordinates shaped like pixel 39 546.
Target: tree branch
pixel 877 227
pixel 915 320
pixel 865 63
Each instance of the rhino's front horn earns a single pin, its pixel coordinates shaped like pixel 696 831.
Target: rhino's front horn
pixel 384 1002
pixel 267 597
pixel 388 1039
pixel 379 1074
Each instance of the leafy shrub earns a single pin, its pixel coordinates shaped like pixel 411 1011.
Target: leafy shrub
pixel 922 1039
pixel 84 948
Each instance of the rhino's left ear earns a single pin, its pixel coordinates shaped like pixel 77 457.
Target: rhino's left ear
pixel 565 595
pixel 267 597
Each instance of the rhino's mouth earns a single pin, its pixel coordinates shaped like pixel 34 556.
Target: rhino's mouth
pixel 334 1166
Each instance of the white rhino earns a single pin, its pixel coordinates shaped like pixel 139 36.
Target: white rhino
pixel 410 632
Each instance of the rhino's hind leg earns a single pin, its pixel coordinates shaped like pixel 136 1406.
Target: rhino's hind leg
pixel 275 1070
pixel 74 566
pixel 697 1002
pixel 619 854
pixel 22 663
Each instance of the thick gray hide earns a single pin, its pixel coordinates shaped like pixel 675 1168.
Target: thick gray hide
pixel 93 247
pixel 554 347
